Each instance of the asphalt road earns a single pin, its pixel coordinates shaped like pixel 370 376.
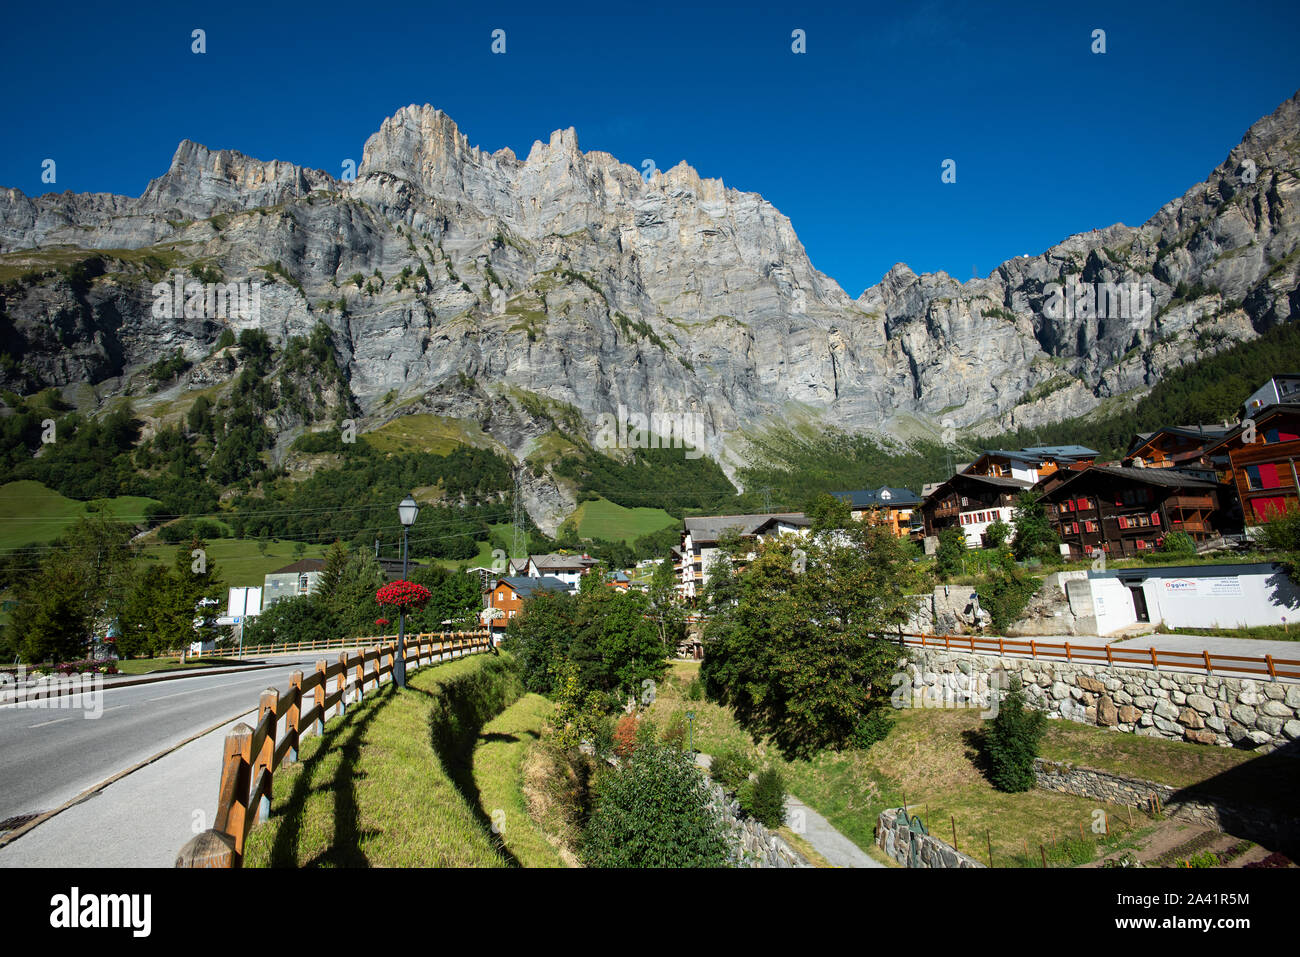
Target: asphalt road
pixel 50 754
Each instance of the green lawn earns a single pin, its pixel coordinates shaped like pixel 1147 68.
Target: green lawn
pixel 599 518
pixel 383 788
pixel 238 560
pixel 31 513
pixel 1267 632
pixel 498 774
pixel 147 666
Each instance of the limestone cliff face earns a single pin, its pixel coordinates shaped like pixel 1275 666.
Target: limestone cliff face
pixel 566 275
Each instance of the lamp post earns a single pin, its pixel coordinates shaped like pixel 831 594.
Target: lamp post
pixel 406 512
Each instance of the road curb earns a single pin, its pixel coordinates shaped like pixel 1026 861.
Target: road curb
pixel 9 838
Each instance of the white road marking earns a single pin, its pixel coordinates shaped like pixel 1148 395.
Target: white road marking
pixel 44 723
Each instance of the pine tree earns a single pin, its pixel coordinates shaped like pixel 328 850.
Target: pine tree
pixel 1011 742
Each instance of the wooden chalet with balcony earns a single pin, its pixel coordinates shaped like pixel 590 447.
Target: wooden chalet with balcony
pixel 971 503
pixel 1121 511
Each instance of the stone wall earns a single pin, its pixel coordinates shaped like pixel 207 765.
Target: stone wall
pixel 1203 708
pixel 895 837
pixel 752 844
pixel 1261 825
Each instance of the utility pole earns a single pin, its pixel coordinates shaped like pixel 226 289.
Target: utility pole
pixel 520 544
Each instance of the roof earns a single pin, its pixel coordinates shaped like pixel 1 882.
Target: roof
pixel 996 481
pixel 300 566
pixel 555 562
pixel 885 495
pixel 1066 451
pixel 524 587
pixel 708 528
pixel 1165 478
pixel 1208 432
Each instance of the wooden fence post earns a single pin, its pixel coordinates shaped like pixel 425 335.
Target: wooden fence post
pixel 341 683
pixel 209 849
pixel 1067 652
pixel 1272 671
pixel 1155 661
pixel 320 697
pixel 266 757
pixel 295 712
pixel 1109 658
pixel 232 799
pixel 361 674
pixel 1208 669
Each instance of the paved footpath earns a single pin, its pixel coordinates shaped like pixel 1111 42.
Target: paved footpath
pixel 838 850
pixel 1246 647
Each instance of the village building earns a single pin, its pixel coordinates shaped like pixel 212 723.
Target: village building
pixel 567 568
pixel 1276 391
pixel 971 503
pixel 897 508
pixel 507 597
pixel 1121 511
pixel 701 534
pixel 1031 464
pixel 1263 474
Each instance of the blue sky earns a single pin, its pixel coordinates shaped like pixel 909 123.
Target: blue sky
pixel 847 139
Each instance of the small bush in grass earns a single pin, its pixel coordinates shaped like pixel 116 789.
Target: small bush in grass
pixel 766 799
pixel 1011 742
pixel 654 811
pixel 695 690
pixel 674 733
pixel 1071 850
pixel 872 728
pixel 731 769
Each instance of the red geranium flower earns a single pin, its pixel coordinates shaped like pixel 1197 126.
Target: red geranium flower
pixel 403 594
pixel 381 622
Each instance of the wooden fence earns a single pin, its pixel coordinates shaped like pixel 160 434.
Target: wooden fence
pixel 1209 662
pixel 253 755
pixel 290 647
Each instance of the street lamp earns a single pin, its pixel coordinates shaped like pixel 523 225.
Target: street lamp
pixel 407 512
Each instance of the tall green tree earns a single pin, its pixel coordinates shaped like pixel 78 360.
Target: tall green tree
pixel 803 656
pixel 1034 536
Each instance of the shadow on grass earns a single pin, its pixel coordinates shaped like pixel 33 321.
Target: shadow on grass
pixel 345 847
pixel 461 707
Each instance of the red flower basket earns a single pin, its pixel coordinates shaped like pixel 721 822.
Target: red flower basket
pixel 382 622
pixel 403 594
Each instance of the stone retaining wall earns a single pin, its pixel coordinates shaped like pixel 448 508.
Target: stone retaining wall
pixel 1261 825
pixel 1203 708
pixel 895 837
pixel 751 843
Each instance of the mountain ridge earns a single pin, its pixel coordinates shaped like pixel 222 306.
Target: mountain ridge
pixel 570 276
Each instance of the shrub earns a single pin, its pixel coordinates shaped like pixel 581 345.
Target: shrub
pixel 872 728
pixel 1179 543
pixel 1006 593
pixel 674 734
pixel 731 769
pixel 1011 742
pixel 625 733
pixel 655 811
pixel 767 798
pixel 694 690
pixel 1072 850
pixel 952 549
